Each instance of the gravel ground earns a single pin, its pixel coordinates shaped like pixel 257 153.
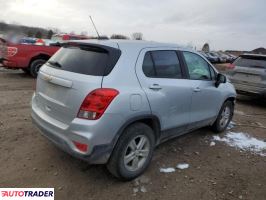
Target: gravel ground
pixel 214 172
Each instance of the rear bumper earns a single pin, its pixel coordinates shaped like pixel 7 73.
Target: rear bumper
pixel 249 89
pixel 97 136
pixel 10 64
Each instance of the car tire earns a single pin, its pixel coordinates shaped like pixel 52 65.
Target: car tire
pixel 35 67
pixel 224 117
pixel 127 163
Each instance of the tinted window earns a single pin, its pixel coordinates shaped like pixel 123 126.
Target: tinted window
pixel 162 64
pixel 148 67
pixel 213 73
pixel 198 68
pixel 251 61
pixel 84 60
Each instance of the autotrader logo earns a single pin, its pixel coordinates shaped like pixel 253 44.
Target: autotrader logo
pixel 26 193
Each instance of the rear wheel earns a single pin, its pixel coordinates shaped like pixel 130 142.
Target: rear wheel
pixel 35 66
pixel 224 117
pixel 133 152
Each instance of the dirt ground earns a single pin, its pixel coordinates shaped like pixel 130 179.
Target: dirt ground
pixel 215 172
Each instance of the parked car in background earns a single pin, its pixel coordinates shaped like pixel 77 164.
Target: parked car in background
pixel 63 37
pixel 2 50
pixel 248 74
pixel 27 41
pixel 27 57
pixel 31 56
pixel 218 56
pixel 112 101
pixel 232 57
pixel 223 57
pixel 214 57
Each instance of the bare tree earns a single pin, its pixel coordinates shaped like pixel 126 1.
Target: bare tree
pixel 38 34
pixel 119 36
pixel 50 34
pixel 137 36
pixel 55 30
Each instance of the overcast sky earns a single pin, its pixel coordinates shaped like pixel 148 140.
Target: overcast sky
pixel 224 24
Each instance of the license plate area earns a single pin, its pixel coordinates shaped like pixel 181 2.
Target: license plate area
pixel 247 77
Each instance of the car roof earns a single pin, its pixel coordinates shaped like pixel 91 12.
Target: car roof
pixel 138 44
pixel 253 55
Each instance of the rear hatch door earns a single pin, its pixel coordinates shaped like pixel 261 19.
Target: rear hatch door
pixel 250 70
pixel 69 76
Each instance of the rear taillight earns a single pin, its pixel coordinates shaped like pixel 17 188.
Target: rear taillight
pixel 96 103
pixel 11 51
pixel 231 66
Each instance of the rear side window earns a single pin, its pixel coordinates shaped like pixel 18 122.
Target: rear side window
pixel 148 66
pixel 162 64
pixel 251 61
pixel 85 60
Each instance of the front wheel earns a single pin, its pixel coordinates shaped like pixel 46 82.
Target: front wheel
pixel 224 117
pixel 133 152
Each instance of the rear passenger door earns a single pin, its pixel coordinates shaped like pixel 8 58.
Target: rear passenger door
pixel 161 76
pixel 206 98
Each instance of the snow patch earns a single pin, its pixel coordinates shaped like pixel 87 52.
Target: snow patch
pixel 244 142
pixel 212 143
pixel 231 125
pixel 182 166
pixel 167 170
pixel 238 112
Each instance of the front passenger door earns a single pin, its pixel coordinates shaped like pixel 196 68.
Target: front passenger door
pixel 205 96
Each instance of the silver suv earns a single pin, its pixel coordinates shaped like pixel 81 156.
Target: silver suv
pixel 248 74
pixel 112 102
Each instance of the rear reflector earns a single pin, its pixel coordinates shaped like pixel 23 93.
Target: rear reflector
pixel 96 103
pixel 80 146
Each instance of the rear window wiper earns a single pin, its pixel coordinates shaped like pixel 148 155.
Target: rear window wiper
pixel 55 63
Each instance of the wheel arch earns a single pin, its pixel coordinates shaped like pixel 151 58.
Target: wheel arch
pixel 151 120
pixel 232 99
pixel 39 56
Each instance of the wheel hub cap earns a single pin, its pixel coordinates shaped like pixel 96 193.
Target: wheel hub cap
pixel 136 153
pixel 225 116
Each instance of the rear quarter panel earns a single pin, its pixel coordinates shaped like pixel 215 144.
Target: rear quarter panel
pixel 131 101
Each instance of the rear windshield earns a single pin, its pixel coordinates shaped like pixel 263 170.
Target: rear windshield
pixel 86 60
pixel 252 62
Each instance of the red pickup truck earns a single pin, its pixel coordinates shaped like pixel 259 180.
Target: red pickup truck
pixel 29 58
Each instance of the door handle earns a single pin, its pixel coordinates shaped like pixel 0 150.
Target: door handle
pixel 197 89
pixel 155 86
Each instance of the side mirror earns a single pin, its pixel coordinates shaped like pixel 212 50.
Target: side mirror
pixel 220 79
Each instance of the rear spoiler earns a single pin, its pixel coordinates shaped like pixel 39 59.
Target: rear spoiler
pixel 114 53
pixel 253 56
